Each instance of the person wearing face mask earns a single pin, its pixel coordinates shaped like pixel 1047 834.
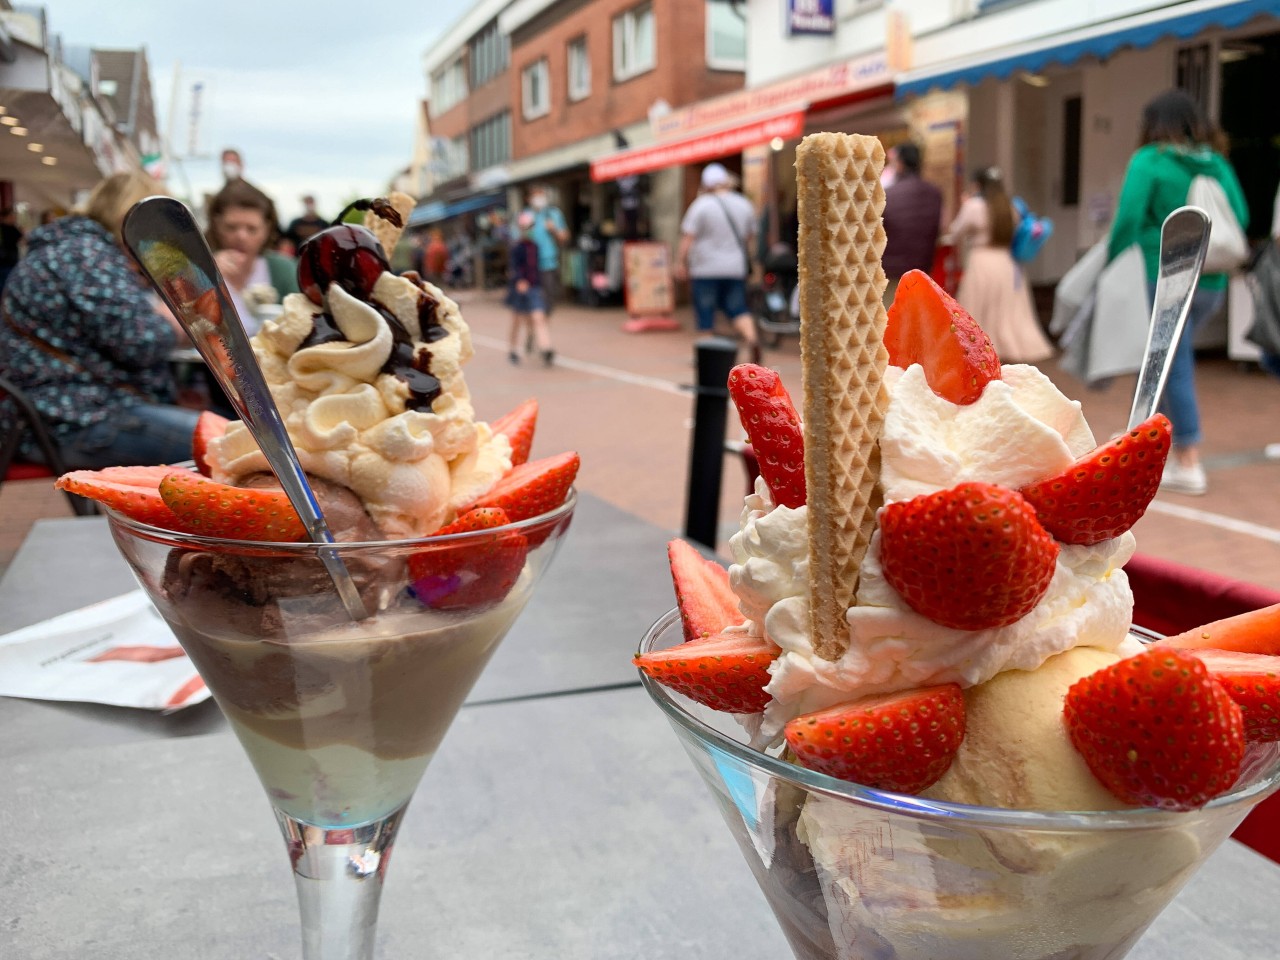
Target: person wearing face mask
pixel 232 165
pixel 548 233
pixel 525 294
pixel 242 225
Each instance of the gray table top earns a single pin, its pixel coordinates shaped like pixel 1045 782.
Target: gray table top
pixel 604 845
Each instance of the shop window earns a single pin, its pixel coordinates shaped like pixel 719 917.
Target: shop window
pixel 1072 113
pixel 448 86
pixel 726 36
pixel 634 48
pixel 490 54
pixel 535 87
pixel 579 68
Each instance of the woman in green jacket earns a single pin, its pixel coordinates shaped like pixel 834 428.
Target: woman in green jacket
pixel 1175 149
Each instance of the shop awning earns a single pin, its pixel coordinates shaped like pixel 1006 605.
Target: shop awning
pixel 695 149
pixel 438 210
pixel 1179 20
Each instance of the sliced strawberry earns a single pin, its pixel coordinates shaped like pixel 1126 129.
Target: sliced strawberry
pixel 1157 730
pixel 533 488
pixel 518 425
pixel 725 672
pixel 707 604
pixel 212 509
pixel 926 326
pixel 133 491
pixel 1107 491
pixel 971 557
pixel 1253 681
pixel 773 430
pixel 897 741
pixel 1257 631
pixel 475 572
pixel 209 426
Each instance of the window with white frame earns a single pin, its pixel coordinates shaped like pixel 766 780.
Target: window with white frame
pixel 579 69
pixel 448 86
pixel 634 47
pixel 726 36
pixel 535 86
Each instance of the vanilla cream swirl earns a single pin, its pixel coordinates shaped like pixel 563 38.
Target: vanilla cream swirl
pixel 350 422
pixel 1020 430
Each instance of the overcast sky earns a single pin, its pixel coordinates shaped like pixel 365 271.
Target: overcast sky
pixel 318 95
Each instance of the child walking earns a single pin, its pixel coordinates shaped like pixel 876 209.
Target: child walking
pixel 525 296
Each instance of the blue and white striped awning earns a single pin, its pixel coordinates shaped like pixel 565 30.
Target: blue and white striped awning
pixel 438 210
pixel 1176 20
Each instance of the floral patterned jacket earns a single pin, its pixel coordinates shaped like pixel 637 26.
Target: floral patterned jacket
pixel 78 333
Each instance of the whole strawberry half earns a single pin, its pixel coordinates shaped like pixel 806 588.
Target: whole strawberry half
pixel 707 604
pixel 773 430
pixel 132 491
pixel 1107 491
pixel 518 425
pixel 926 326
pixel 1256 631
pixel 533 488
pixel 210 426
pixel 725 672
pixel 210 509
pixel 1157 730
pixel 899 741
pixel 1252 680
pixel 473 572
pixel 971 557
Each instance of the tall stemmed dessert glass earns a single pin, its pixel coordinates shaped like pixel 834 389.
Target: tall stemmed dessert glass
pixel 340 610
pixel 916 695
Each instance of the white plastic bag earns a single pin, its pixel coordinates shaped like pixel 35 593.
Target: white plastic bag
pixel 1228 248
pixel 1110 339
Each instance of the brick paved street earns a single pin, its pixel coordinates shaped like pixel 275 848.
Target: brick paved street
pixel 620 400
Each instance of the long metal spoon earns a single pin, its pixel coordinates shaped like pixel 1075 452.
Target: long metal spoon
pixel 163 237
pixel 1184 241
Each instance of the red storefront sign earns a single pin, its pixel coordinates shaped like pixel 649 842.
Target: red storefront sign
pixel 786 126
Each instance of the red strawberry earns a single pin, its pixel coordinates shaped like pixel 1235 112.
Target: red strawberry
pixel 706 603
pixel 1253 681
pixel 212 509
pixel 1157 730
pixel 518 426
pixel 1257 631
pixel 133 491
pixel 725 672
pixel 472 573
pixel 971 557
pixel 773 430
pixel 210 426
pixel 897 741
pixel 533 488
pixel 1105 492
pixel 926 326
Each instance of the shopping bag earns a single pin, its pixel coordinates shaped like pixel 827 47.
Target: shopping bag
pixel 1228 248
pixel 1031 233
pixel 1076 287
pixel 1264 284
pixel 1112 339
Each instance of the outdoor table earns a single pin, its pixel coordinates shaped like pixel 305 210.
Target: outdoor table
pixel 560 819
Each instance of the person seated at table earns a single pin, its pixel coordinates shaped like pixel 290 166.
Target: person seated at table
pixel 242 231
pixel 88 343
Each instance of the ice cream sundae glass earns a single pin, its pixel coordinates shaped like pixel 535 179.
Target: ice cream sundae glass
pixel 340 665
pixel 916 694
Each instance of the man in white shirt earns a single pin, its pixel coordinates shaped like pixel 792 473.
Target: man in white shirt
pixel 715 236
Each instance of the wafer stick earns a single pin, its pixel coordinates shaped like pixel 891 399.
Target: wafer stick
pixel 842 349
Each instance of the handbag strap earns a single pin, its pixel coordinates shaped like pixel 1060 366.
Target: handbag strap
pixel 61 356
pixel 733 228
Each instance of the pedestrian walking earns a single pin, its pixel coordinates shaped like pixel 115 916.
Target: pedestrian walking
pixel 548 233
pixel 525 294
pixel 912 218
pixel 993 287
pixel 1176 147
pixel 715 236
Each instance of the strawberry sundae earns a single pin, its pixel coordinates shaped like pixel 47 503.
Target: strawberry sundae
pixel 928 598
pixel 446 515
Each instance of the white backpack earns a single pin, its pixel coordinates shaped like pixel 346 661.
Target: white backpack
pixel 1228 248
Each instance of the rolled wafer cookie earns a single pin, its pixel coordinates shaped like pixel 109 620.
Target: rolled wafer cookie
pixel 388 233
pixel 843 355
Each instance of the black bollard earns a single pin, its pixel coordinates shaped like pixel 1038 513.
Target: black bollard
pixel 716 356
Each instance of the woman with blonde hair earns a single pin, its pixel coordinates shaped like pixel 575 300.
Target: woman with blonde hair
pixel 88 343
pixel 993 287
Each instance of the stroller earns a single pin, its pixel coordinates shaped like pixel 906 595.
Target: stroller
pixel 776 309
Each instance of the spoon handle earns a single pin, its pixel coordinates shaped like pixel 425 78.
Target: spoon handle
pixel 163 237
pixel 1184 241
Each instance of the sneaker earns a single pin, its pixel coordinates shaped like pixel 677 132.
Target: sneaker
pixel 1179 479
pixel 514 357
pixel 548 357
pixel 1271 451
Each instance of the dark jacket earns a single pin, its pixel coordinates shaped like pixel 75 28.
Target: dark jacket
pixel 78 333
pixel 912 218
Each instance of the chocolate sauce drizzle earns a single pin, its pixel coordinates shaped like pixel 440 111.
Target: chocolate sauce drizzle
pixel 410 365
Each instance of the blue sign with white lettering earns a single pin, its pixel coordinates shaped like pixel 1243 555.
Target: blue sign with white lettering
pixel 812 17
